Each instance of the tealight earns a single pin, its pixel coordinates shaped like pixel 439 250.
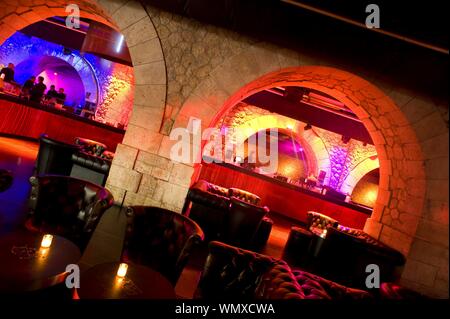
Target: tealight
pixel 122 271
pixel 46 241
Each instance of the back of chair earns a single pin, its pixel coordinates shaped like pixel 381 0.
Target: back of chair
pixel 244 196
pixel 67 206
pixel 6 180
pixel 241 222
pixel 161 239
pixel 321 221
pixel 54 157
pixel 232 273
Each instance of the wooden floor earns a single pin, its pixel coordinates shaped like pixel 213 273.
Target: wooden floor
pixel 106 243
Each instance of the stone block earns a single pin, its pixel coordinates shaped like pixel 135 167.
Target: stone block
pixel 141 31
pixel 433 232
pixel 146 52
pixel 150 73
pixel 420 272
pixel 181 174
pixel 142 139
pixel 147 117
pixel 124 178
pixel 125 156
pixel 129 14
pixel 150 95
pixel 147 185
pixel 153 164
pixel 429 253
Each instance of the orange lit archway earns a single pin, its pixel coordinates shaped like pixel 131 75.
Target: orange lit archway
pixel 372 107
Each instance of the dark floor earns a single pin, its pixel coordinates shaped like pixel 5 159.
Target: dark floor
pixel 18 156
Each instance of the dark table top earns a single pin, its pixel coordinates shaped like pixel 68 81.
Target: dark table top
pixel 101 282
pixel 25 266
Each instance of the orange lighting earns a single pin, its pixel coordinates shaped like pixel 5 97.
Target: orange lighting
pixel 46 241
pixel 122 271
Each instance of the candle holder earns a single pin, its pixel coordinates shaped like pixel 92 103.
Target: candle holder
pixel 46 241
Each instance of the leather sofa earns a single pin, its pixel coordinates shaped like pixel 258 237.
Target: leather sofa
pixel 160 239
pixel 346 252
pixel 237 274
pixel 207 204
pixel 67 206
pixel 318 220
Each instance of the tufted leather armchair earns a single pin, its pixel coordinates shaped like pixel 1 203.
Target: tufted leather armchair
pixel 234 273
pixel 321 221
pixel 244 196
pixel 346 252
pixel 160 239
pixel 208 204
pixel 67 206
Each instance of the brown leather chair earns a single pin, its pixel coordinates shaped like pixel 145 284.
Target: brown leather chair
pixel 242 222
pixel 161 239
pixel 67 206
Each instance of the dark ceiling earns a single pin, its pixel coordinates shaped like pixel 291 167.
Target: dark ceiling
pixel 421 69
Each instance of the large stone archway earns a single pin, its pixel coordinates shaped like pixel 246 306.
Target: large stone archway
pixel 131 19
pixel 402 193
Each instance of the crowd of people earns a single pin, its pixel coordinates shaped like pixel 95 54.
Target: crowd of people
pixel 32 90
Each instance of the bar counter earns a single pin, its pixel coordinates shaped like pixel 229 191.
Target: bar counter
pixel 27 119
pixel 284 198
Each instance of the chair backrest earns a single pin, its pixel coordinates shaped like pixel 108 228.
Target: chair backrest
pixel 67 206
pixel 54 157
pixel 244 196
pixel 161 239
pixel 232 273
pixel 241 222
pixel 6 180
pixel 321 221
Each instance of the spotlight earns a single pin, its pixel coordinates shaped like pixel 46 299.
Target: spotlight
pixel 290 127
pixel 307 127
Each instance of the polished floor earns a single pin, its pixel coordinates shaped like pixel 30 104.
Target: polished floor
pixel 18 156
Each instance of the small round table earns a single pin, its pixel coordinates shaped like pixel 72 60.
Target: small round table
pixel 140 282
pixel 25 266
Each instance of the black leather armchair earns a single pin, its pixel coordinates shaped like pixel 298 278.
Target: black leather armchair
pixel 54 157
pixel 346 252
pixel 67 206
pixel 6 180
pixel 242 222
pixel 237 274
pixel 208 204
pixel 90 167
pixel 160 239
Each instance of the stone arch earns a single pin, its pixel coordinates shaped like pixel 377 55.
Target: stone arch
pixel 131 19
pixel 364 167
pixel 253 126
pixel 368 102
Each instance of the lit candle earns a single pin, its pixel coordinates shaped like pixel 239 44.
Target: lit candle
pixel 46 241
pixel 122 271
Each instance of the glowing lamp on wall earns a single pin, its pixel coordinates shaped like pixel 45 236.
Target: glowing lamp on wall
pixel 371 196
pixel 290 127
